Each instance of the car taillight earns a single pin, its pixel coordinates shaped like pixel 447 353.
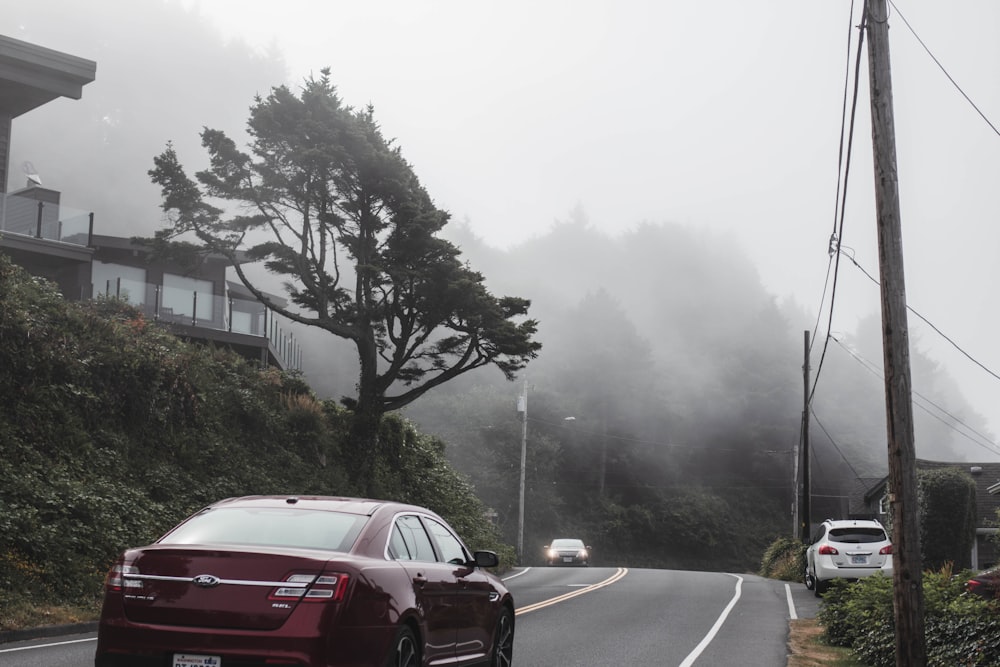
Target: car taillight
pixel 971 585
pixel 118 578
pixel 886 550
pixel 325 588
pixel 827 550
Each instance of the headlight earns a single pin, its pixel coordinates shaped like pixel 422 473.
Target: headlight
pixel 553 553
pixel 582 553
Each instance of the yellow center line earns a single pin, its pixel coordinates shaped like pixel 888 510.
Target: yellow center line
pixel 562 598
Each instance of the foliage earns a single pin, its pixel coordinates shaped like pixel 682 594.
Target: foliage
pixel 995 537
pixel 960 629
pixel 336 211
pixel 947 511
pixel 112 430
pixel 785 559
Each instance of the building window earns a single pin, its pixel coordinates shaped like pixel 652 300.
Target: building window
pixel 117 280
pixel 180 293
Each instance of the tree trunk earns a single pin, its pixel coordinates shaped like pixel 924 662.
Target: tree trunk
pixel 367 417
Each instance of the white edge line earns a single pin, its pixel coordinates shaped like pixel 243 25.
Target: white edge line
pixel 516 574
pixel 26 648
pixel 688 661
pixel 791 603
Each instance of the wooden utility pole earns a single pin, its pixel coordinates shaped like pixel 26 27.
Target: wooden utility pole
pixel 805 509
pixel 907 596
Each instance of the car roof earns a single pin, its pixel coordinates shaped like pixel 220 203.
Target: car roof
pixel 360 506
pixel 841 523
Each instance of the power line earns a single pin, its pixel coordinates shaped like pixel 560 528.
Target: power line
pixel 941 67
pixel 931 325
pixel 834 443
pixel 985 442
pixel 840 203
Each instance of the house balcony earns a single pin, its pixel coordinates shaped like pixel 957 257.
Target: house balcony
pixel 245 325
pixel 58 243
pixel 49 240
pixel 35 213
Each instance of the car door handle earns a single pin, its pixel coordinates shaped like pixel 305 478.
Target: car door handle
pixel 420 579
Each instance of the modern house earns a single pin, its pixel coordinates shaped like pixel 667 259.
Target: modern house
pixel 51 241
pixel 871 504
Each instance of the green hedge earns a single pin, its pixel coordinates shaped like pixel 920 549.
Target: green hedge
pixel 960 629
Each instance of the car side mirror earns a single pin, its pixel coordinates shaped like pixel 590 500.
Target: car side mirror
pixel 485 559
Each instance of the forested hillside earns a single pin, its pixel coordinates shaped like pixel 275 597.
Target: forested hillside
pixel 112 430
pixel 666 403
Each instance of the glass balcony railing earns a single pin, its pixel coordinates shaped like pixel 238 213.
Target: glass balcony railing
pixel 210 311
pixel 28 216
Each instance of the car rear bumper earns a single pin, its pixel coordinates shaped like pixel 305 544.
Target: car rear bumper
pixel 827 571
pixel 135 645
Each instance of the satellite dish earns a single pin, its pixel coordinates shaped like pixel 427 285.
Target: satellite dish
pixel 33 177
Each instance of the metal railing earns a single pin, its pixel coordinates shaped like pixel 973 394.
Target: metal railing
pixel 210 311
pixel 31 217
pixel 28 216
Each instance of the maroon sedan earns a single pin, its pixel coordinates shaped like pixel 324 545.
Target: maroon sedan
pixel 985 584
pixel 306 581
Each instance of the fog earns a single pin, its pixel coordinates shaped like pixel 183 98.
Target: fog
pixel 674 279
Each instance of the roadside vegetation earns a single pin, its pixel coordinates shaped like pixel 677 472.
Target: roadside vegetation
pixel 961 629
pixel 856 624
pixel 112 430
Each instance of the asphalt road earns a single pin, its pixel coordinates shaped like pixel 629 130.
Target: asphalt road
pixel 597 617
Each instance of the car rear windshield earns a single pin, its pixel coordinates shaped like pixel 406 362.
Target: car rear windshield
pixel 270 526
pixel 857 535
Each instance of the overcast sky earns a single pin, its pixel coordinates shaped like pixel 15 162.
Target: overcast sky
pixel 723 114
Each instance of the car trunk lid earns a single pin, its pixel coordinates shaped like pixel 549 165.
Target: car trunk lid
pixel 216 587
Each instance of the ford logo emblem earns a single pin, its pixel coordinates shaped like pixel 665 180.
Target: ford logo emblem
pixel 206 580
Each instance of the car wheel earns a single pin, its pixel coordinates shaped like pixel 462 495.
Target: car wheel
pixel 503 640
pixel 405 652
pixel 809 581
pixel 819 587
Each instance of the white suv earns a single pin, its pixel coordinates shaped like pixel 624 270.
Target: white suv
pixel 847 549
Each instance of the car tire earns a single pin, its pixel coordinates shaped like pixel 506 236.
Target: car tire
pixel 820 587
pixel 503 640
pixel 809 581
pixel 405 652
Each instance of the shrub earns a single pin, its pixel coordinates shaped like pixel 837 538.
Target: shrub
pixel 947 499
pixel 784 559
pixel 961 630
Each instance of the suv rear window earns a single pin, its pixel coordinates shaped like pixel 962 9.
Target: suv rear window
pixel 857 535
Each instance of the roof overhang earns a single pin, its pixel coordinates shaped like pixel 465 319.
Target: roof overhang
pixel 32 75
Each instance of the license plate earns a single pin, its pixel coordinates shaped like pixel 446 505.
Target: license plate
pixel 567 559
pixel 859 560
pixel 192 660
